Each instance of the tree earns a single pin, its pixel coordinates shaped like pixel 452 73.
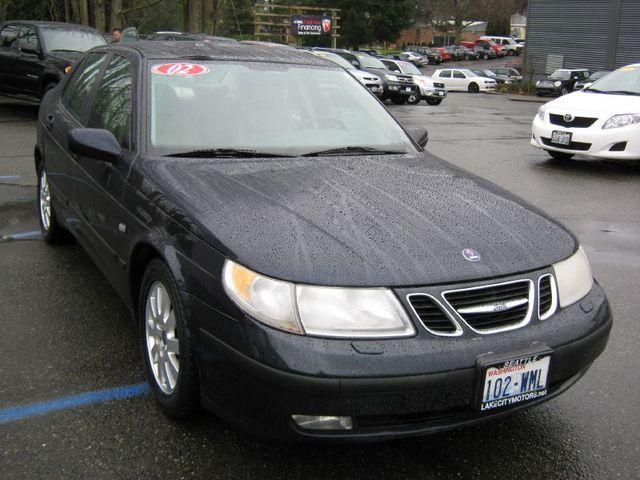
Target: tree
pixel 99 15
pixel 195 16
pixel 461 12
pixel 116 19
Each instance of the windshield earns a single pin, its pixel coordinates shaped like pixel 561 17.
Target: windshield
pixel 367 61
pixel 625 79
pixel 268 108
pixel 56 39
pixel 560 75
pixel 409 68
pixel 598 75
pixel 335 59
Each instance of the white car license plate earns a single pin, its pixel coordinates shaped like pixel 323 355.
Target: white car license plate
pixel 561 138
pixel 408 89
pixel 515 381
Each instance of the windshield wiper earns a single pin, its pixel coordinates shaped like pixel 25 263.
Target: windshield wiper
pixel 225 153
pixel 612 92
pixel 353 151
pixel 65 50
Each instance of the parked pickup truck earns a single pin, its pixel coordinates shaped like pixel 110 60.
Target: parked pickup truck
pixel 34 56
pixel 512 47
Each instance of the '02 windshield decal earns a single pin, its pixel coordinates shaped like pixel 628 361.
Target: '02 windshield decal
pixel 180 69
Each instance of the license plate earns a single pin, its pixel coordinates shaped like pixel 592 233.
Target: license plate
pixel 441 93
pixel 561 138
pixel 408 89
pixel 510 382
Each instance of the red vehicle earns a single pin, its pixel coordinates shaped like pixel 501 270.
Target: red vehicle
pixel 499 49
pixel 446 56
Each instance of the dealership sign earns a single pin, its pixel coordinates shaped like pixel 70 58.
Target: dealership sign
pixel 310 25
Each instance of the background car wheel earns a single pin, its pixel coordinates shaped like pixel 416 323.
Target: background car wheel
pixel 539 94
pixel 564 91
pixel 399 100
pixel 166 343
pixel 414 99
pixel 473 87
pixel 486 57
pixel 52 231
pixel 560 155
pixel 434 101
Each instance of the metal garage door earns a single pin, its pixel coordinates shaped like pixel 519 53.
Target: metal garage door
pixel 628 48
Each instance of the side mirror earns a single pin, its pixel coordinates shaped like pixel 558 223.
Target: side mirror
pixel 94 143
pixel 420 135
pixel 30 47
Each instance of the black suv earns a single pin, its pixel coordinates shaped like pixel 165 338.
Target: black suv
pixel 35 55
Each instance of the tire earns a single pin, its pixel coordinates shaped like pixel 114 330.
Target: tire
pixel 52 231
pixel 486 57
pixel 560 156
pixel 164 333
pixel 434 101
pixel 400 100
pixel 473 87
pixel 539 94
pixel 414 99
pixel 564 91
pixel 511 53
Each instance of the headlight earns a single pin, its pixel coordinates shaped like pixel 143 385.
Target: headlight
pixel 573 277
pixel 391 78
pixel 557 83
pixel 541 112
pixel 319 311
pixel 618 121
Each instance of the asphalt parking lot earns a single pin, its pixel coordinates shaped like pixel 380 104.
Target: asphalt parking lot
pixel 65 333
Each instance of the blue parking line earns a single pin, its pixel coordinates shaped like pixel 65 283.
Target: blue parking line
pixel 33 235
pixel 13 414
pixel 4 178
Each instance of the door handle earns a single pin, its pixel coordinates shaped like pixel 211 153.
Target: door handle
pixel 49 121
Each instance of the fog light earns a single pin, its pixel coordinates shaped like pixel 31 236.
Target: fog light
pixel 323 422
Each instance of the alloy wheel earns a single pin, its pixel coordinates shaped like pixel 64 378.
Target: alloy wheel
pixel 45 201
pixel 162 343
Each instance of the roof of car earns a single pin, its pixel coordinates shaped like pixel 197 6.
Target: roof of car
pixel 197 50
pixel 40 23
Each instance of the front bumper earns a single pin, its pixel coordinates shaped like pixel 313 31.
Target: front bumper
pixel 392 388
pixel 399 89
pixel 544 90
pixel 592 141
pixel 433 93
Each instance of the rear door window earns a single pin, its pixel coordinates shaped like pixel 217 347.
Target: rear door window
pixel 112 105
pixel 28 37
pixel 80 86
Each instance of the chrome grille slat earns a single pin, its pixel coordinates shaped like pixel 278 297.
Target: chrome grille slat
pixel 494 308
pixel 433 316
pixel 547 296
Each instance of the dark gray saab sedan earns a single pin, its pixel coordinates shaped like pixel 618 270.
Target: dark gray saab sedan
pixel 294 259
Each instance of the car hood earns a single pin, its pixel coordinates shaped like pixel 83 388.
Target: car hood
pixel 596 103
pixel 355 221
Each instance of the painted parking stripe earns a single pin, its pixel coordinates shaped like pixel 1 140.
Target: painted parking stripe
pixel 34 235
pixel 13 414
pixel 6 178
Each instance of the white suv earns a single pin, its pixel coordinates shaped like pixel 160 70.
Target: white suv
pixel 511 46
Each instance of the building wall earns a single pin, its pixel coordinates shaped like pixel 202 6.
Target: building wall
pixel 427 35
pixel 593 34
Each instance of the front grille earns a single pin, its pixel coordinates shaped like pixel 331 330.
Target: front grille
pixel 577 122
pixel 578 146
pixel 546 297
pixel 432 316
pixel 405 79
pixel 494 307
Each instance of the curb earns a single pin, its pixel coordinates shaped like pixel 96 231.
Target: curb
pixel 525 98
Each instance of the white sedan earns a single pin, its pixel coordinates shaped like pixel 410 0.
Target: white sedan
pixel 601 121
pixel 463 79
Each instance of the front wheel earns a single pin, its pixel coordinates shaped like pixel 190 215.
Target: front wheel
pixel 414 98
pixel 52 231
pixel 474 87
pixel 399 100
pixel 166 343
pixel 486 57
pixel 434 101
pixel 561 156
pixel 564 91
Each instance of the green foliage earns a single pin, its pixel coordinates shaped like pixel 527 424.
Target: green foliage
pixel 499 26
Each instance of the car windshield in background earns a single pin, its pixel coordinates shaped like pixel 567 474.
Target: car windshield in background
pixel 367 61
pixel 70 40
pixel 560 75
pixel 410 68
pixel 625 80
pixel 335 59
pixel 270 109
